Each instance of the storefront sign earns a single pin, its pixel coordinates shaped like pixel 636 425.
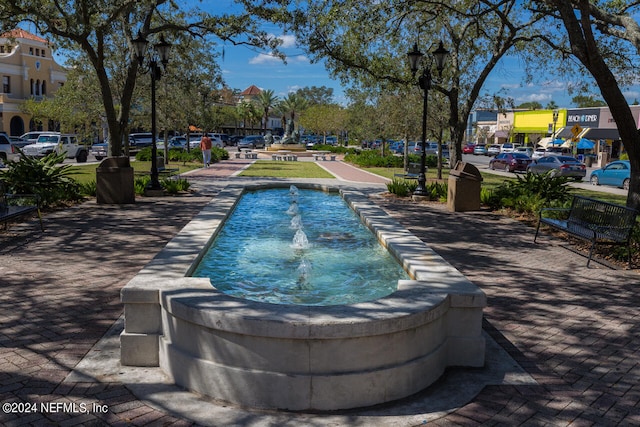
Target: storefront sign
pixel 588 117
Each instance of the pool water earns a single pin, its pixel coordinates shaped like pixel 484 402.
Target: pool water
pixel 299 246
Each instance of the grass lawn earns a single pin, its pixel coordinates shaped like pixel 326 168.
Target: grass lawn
pixel 491 181
pixel 268 168
pixel 87 173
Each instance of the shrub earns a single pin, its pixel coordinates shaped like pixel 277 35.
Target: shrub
pixel 529 193
pixel 399 187
pixel 438 191
pixel 88 189
pixel 372 158
pixel 405 188
pixel 174 186
pixel 44 177
pixel 140 184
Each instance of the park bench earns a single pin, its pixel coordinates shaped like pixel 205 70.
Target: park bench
pixel 163 170
pixel 14 206
pixel 592 220
pixel 413 171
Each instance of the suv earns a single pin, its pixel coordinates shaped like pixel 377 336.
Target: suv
pixel 222 137
pixel 6 149
pixel 508 147
pixel 59 143
pixel 141 140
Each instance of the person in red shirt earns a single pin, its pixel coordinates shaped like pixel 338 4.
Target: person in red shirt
pixel 205 147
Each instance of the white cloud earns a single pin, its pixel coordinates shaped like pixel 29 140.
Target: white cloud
pixel 538 97
pixel 264 58
pixel 288 41
pixel 269 59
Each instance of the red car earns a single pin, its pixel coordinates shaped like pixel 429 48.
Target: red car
pixel 468 149
pixel 513 162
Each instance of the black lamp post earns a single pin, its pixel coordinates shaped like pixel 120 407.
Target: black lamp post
pixel 555 120
pixel 161 53
pixel 424 82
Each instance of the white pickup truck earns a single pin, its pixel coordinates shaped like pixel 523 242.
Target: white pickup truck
pixel 60 143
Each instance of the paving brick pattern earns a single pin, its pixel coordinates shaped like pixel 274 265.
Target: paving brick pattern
pixel 574 329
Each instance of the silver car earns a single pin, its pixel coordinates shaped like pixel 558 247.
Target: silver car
pixel 559 166
pixel 251 142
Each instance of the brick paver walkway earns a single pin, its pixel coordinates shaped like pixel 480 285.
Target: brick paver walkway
pixel 574 329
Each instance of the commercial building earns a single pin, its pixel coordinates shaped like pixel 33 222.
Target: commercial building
pixel 28 70
pixel 540 127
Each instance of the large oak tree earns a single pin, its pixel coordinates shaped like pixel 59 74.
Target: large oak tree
pixel 599 36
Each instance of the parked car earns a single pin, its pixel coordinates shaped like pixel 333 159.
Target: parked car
pixel 480 150
pixel 59 143
pixel 432 148
pixel 524 150
pixel 32 137
pixel 616 173
pixel 559 166
pixel 141 140
pixel 468 149
pixel 507 147
pixel 18 141
pixel 222 137
pixel 397 147
pixel 493 150
pixel 194 140
pixel 100 150
pixel 6 148
pixel 538 153
pixel 512 162
pixel 178 142
pixel 555 151
pixel 233 140
pixel 251 142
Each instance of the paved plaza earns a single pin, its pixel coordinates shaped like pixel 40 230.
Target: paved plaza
pixel 574 331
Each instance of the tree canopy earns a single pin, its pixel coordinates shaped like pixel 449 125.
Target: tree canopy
pixel 103 31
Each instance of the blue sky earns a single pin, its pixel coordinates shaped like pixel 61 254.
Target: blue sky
pixel 243 66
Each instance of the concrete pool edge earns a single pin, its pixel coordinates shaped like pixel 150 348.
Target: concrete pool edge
pixel 401 343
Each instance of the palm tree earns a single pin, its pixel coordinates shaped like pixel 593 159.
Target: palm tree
pixel 247 111
pixel 266 101
pixel 291 104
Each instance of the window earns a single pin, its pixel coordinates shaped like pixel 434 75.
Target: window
pixel 6 84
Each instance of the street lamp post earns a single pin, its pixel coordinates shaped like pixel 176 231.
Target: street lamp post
pixel 555 120
pixel 424 82
pixel 161 53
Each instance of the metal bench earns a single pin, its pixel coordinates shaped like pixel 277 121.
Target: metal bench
pixel 593 220
pixel 413 171
pixel 163 170
pixel 17 205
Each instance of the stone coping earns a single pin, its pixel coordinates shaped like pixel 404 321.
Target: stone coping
pixel 435 282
